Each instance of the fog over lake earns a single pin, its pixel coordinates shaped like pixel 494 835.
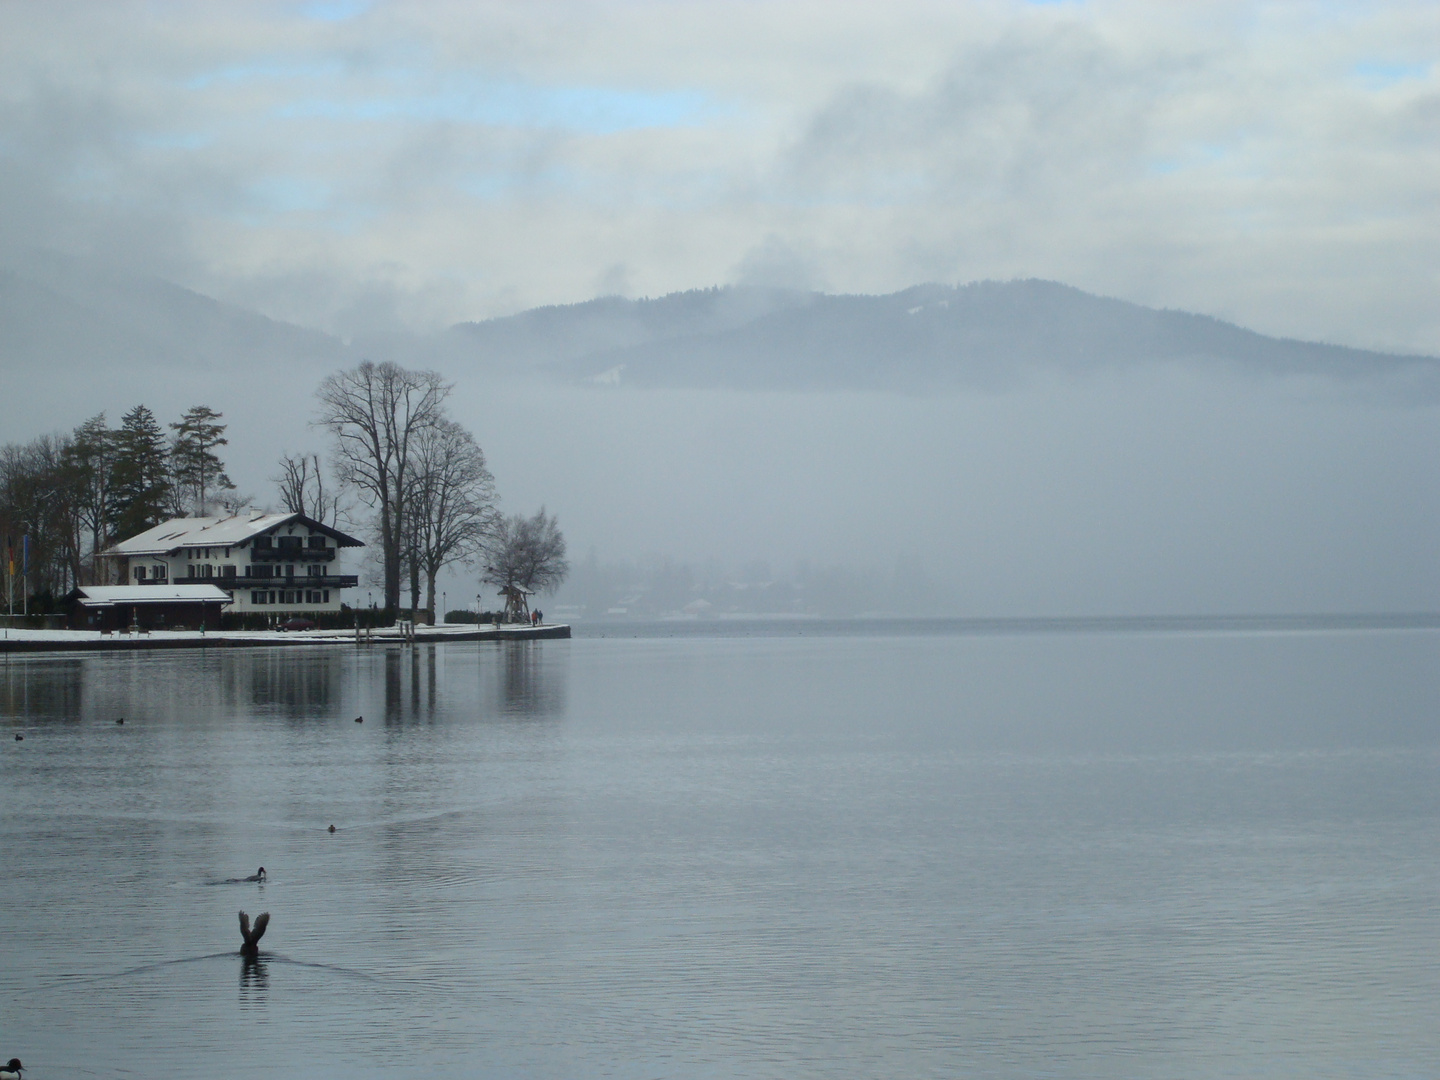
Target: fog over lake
pixel 1168 489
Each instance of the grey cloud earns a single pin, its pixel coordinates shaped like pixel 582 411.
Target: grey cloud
pixel 1210 162
pixel 776 264
pixel 1005 120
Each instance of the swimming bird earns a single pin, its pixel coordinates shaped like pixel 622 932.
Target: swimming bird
pixel 332 828
pixel 259 875
pixel 121 720
pixel 359 719
pixel 19 738
pixel 11 1071
pixel 252 935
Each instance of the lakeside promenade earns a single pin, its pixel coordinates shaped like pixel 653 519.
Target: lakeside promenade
pixel 25 640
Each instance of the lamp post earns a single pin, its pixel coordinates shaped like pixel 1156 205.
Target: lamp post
pixel 443 603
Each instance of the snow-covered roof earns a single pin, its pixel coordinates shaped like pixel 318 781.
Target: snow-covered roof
pixel 108 595
pixel 218 532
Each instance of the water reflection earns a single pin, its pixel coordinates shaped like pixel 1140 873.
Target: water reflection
pixel 297 686
pixel 534 685
pixel 254 982
pixel 392 684
pixel 40 688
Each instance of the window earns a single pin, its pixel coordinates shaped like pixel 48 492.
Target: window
pixel 324 596
pixel 207 571
pixel 317 542
pixel 289 543
pixel 318 570
pixel 257 597
pixel 228 570
pixel 139 573
pixel 160 573
pixel 262 543
pixel 290 571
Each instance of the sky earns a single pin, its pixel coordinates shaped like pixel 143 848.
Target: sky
pixel 360 166
pixel 371 167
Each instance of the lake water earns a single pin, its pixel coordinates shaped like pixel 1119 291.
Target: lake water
pixel 757 850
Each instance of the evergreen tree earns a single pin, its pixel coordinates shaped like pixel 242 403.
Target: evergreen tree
pixel 140 482
pixel 198 473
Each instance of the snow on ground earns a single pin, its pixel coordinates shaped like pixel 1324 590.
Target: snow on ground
pixel 288 637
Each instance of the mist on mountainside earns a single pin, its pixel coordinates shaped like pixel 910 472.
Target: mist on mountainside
pixel 928 338
pixel 991 449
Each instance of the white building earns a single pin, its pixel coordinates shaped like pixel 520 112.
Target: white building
pixel 274 563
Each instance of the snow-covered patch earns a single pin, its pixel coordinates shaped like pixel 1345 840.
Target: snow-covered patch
pixel 260 637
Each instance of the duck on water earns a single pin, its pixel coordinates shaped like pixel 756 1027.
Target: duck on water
pixel 11 1071
pixel 250 935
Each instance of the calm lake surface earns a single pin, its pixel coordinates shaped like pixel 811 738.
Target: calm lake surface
pixel 769 850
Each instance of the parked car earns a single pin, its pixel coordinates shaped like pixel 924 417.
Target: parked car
pixel 298 624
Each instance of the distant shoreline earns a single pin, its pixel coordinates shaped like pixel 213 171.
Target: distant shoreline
pixel 888 625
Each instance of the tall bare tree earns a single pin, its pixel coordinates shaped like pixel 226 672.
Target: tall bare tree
pixel 39 517
pixel 303 491
pixel 376 412
pixel 452 504
pixel 91 458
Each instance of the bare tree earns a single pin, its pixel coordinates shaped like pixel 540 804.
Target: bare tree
pixel 40 517
pixel 376 413
pixel 91 459
pixel 525 555
pixel 452 504
pixel 302 490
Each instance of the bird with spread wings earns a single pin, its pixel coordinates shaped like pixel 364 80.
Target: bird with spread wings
pixel 253 934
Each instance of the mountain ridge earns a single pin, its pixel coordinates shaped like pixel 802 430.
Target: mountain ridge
pixel 926 337
pixel 65 315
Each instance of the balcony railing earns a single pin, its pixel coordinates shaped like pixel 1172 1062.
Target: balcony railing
pixel 295 555
pixel 278 581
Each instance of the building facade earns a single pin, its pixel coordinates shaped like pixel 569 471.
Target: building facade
pixel 280 564
pixel 146 607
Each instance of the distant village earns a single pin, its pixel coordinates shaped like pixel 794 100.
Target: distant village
pixel 110 528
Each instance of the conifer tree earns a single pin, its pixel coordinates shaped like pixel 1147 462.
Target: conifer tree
pixel 198 473
pixel 140 486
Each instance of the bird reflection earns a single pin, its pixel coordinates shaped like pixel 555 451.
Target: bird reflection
pixel 254 980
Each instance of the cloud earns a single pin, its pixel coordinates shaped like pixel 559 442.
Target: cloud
pixel 1268 164
pixel 775 264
